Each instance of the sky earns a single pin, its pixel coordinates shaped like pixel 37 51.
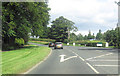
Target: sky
pixel 86 14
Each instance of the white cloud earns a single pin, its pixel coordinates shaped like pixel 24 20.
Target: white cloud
pixel 82 12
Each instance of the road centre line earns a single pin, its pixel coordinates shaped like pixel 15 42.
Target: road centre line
pixel 99 56
pixel 107 65
pixel 87 63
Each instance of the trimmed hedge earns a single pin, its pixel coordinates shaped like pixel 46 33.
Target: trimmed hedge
pixel 89 43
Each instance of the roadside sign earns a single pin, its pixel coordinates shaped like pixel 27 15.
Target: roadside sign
pixel 67 43
pixel 107 44
pixel 73 44
pixel 99 44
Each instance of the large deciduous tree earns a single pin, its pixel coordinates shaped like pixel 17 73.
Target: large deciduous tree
pixel 21 18
pixel 61 27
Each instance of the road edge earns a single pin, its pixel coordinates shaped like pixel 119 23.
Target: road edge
pixel 38 63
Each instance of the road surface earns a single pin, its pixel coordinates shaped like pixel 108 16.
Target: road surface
pixel 79 60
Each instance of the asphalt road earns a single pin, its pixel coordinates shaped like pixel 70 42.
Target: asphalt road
pixel 79 60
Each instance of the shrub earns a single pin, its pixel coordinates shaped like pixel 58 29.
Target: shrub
pixel 19 41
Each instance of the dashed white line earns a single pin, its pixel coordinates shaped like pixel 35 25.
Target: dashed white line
pixel 87 63
pixel 99 56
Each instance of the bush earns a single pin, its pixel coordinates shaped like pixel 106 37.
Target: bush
pixel 19 41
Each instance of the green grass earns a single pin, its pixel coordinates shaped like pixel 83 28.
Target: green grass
pixel 40 42
pixel 19 61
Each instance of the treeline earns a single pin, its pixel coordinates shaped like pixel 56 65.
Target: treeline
pixel 21 19
pixel 113 37
pixel 110 36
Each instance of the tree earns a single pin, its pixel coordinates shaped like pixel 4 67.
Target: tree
pixel 60 28
pixel 80 37
pixel 112 37
pixel 85 37
pixel 89 35
pixel 21 18
pixel 99 35
pixel 73 37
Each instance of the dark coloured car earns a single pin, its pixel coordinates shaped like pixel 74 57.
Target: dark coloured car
pixel 51 44
pixel 58 45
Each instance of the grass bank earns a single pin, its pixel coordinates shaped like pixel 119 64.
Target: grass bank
pixel 19 61
pixel 40 42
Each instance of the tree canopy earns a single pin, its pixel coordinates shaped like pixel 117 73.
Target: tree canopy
pixel 61 27
pixel 21 18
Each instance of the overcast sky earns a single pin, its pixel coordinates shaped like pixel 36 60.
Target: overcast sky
pixel 86 14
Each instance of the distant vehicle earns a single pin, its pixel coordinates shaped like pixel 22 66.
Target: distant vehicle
pixel 51 44
pixel 58 45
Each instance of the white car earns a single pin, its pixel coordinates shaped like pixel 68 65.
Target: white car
pixel 58 45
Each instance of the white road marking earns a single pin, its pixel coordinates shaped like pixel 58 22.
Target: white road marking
pixel 87 63
pixel 107 65
pixel 99 56
pixel 78 56
pixel 103 60
pixel 93 68
pixel 62 58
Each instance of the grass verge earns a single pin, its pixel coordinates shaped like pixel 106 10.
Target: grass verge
pixel 40 42
pixel 21 60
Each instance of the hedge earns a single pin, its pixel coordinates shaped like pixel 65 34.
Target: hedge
pixel 89 43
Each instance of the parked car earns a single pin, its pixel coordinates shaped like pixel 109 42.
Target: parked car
pixel 58 45
pixel 51 44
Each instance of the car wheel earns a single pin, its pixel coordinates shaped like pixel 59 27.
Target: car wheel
pixel 62 48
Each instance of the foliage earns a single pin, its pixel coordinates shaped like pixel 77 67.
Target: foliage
pixel 89 43
pixel 89 36
pixel 21 18
pixel 19 41
pixel 80 37
pixel 99 35
pixel 113 37
pixel 60 29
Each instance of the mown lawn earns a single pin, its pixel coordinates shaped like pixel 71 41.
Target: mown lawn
pixel 40 42
pixel 19 61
